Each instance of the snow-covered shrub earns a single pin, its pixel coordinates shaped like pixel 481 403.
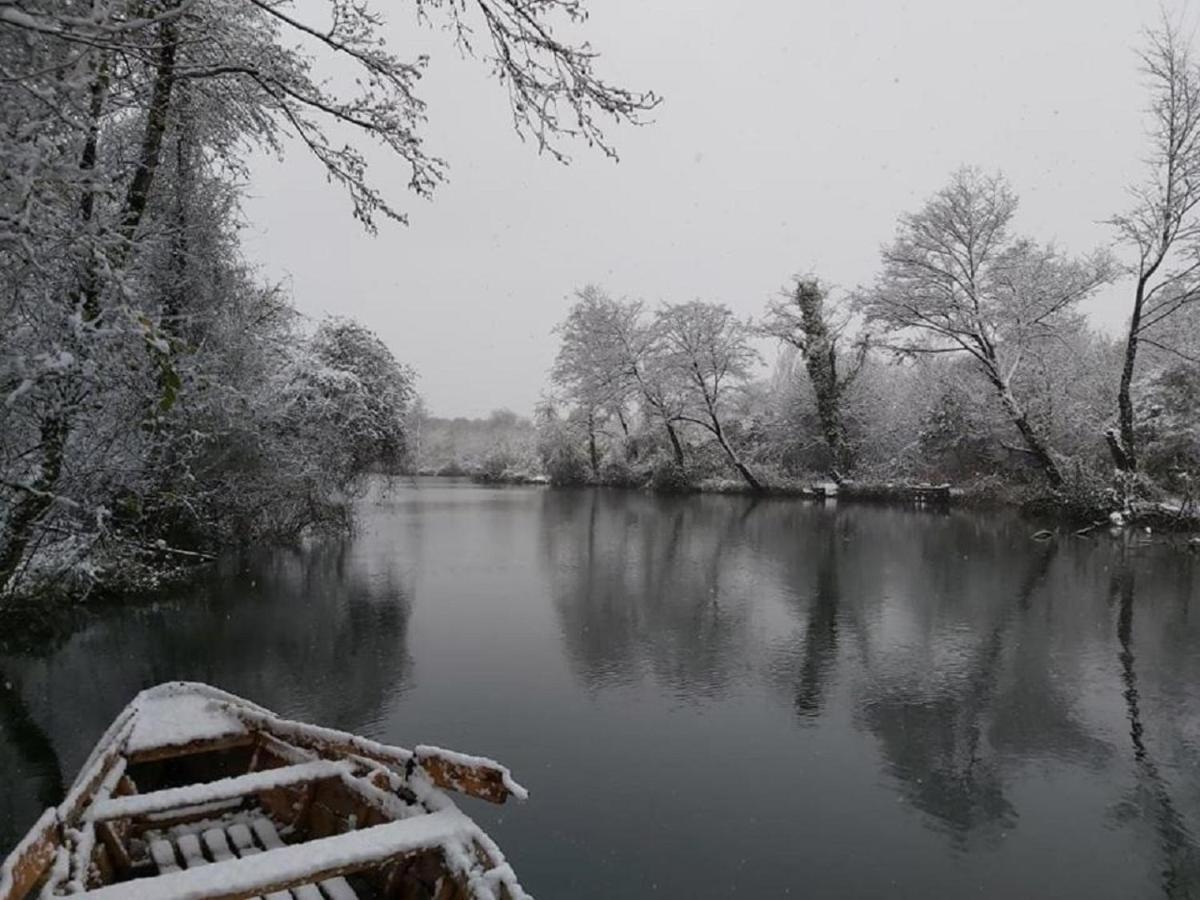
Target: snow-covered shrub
pixel 1169 427
pixel 499 463
pixel 1085 494
pixel 566 466
pixel 668 477
pixel 619 473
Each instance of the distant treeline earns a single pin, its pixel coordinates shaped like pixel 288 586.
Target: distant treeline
pixel 502 446
pixel 965 359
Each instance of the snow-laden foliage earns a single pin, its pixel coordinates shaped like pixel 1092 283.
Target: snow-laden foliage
pixel 619 367
pixel 155 399
pixel 957 280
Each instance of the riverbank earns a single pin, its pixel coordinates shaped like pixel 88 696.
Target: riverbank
pixel 55 609
pixel 1083 511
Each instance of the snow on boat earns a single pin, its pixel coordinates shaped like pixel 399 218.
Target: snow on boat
pixel 195 794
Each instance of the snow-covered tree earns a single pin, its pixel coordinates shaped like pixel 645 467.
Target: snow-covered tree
pixel 804 320
pixel 956 280
pixel 1163 225
pixel 706 351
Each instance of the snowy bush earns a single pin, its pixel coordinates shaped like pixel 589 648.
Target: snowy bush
pixel 668 477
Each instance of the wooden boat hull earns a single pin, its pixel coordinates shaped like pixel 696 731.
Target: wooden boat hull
pixel 195 794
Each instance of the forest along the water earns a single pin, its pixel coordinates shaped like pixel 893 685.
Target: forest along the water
pixel 847 698
pixel 159 401
pixel 968 360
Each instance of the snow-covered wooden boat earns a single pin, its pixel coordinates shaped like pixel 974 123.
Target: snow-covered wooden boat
pixel 195 794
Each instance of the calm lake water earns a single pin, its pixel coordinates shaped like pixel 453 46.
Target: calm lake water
pixel 708 696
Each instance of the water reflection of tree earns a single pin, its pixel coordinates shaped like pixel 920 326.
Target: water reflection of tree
pixel 27 755
pixel 311 634
pixel 942 732
pixel 804 664
pixel 648 585
pixel 821 632
pixel 1151 797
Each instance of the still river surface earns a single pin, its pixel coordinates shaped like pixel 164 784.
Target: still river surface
pixel 707 696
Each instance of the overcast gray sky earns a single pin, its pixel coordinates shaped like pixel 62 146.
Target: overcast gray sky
pixel 791 136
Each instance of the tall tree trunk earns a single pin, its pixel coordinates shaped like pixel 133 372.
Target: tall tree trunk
pixel 1033 441
pixel 731 455
pixel 834 430
pixel 34 502
pixel 89 290
pixel 138 194
pixel 1126 459
pixel 137 197
pixel 626 444
pixel 819 349
pixel 593 451
pixel 1117 450
pixel 175 296
pixel 742 468
pixel 676 446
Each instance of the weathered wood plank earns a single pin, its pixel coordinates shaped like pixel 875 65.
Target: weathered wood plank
pixel 27 865
pixel 113 841
pixel 191 748
pixel 214 791
pixel 474 776
pixel 297 864
pixel 477 780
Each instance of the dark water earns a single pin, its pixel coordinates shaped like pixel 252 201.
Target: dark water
pixel 709 696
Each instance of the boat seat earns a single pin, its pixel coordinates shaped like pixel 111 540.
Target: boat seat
pixel 222 790
pixel 322 861
pixel 238 841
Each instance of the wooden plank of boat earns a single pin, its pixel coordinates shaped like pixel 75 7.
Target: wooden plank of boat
pixel 335 888
pixel 473 775
pixel 23 869
pixel 163 855
pixel 296 864
pixel 476 776
pixel 223 789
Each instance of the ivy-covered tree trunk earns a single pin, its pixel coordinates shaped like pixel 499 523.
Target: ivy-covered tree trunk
pixel 802 322
pixel 820 359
